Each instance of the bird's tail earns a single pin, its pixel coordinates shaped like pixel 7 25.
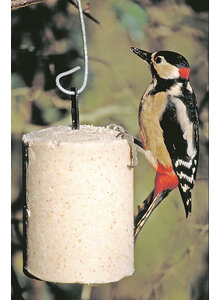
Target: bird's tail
pixel 146 209
pixel 187 202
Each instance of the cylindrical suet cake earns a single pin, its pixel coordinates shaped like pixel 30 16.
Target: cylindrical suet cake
pixel 78 212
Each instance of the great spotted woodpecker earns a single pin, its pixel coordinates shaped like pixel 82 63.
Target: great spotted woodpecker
pixel 169 129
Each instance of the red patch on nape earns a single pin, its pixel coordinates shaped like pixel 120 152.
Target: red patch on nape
pixel 184 73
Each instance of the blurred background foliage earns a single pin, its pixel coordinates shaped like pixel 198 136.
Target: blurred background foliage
pixel 171 253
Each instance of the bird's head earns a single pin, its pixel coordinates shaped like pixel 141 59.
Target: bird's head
pixel 165 64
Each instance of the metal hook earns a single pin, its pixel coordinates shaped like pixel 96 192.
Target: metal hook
pixel 75 69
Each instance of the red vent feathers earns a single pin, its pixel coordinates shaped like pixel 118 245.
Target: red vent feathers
pixel 166 179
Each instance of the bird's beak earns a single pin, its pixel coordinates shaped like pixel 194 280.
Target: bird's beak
pixel 143 54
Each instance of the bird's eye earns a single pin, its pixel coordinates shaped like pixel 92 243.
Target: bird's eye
pixel 158 60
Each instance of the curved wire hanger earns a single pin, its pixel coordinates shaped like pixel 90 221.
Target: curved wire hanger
pixel 85 55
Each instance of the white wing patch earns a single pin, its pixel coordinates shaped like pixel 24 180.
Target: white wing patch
pixel 185 124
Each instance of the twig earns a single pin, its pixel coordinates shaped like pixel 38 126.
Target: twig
pixel 15 4
pixel 23 3
pixel 85 13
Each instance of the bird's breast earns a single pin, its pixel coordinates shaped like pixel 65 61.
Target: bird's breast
pixel 150 112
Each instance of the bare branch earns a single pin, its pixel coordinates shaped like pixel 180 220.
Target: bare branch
pixel 84 12
pixel 15 4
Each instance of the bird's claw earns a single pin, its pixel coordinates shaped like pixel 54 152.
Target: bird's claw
pixel 133 146
pixel 116 127
pixel 130 140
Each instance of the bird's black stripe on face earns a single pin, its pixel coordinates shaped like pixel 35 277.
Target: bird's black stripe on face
pixel 162 85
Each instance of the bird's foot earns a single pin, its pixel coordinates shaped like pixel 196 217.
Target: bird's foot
pixel 130 140
pixel 133 146
pixel 116 127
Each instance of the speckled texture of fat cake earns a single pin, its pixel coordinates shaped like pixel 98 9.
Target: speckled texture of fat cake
pixel 79 205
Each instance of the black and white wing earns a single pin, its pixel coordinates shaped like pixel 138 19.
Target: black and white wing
pixel 180 124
